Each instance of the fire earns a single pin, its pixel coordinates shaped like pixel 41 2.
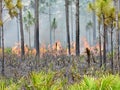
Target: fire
pixel 72 49
pixel 17 50
pixel 43 49
pixel 85 43
pixel 33 51
pixel 26 49
pixel 56 49
pixel 94 49
pixel 57 46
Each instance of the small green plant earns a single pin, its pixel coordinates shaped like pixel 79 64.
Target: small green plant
pixel 8 50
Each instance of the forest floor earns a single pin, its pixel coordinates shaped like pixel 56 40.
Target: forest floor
pixel 57 72
pixel 16 68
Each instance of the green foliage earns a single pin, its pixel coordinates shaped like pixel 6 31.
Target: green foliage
pixel 13 8
pixel 2 84
pixel 8 50
pixel 28 20
pixel 88 83
pixel 103 8
pixel 109 82
pixel 10 84
pixel 110 54
pixel 40 81
pixel 53 81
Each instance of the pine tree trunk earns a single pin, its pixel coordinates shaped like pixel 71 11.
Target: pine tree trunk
pixel 22 35
pixel 50 24
pixel 72 32
pixel 17 21
pixel 3 73
pixel 89 38
pixel 100 45
pixel 54 35
pixel 104 46
pixel 77 29
pixel 37 27
pixel 67 25
pixel 29 38
pixel 117 34
pixel 94 27
pixel 1 19
pixel 2 35
pixel 112 48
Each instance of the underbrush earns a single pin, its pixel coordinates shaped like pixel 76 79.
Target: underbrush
pixel 56 72
pixel 56 81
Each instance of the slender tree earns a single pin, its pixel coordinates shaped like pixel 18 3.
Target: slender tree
pixel 54 27
pixel 2 51
pixel 37 27
pixel 111 33
pixel 102 9
pixel 100 46
pixel 104 42
pixel 67 25
pixel 22 35
pixel 2 34
pixel 19 6
pixel 29 21
pixel 12 9
pixel 77 28
pixel 111 26
pixel 72 28
pixel 88 29
pixel 94 26
pixel 117 33
pixel 49 6
pixel 0 18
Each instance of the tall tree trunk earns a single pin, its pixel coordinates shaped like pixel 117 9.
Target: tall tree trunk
pixel 67 25
pixel 17 21
pixel 54 35
pixel 72 32
pixel 3 52
pixel 77 28
pixel 87 34
pixel 1 19
pixel 107 41
pixel 37 27
pixel 117 27
pixel 2 35
pixel 117 33
pixel 29 38
pixel 119 11
pixel 22 35
pixel 94 27
pixel 89 37
pixel 50 24
pixel 112 48
pixel 100 45
pixel 104 45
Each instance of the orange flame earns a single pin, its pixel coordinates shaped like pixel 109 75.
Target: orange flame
pixel 56 49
